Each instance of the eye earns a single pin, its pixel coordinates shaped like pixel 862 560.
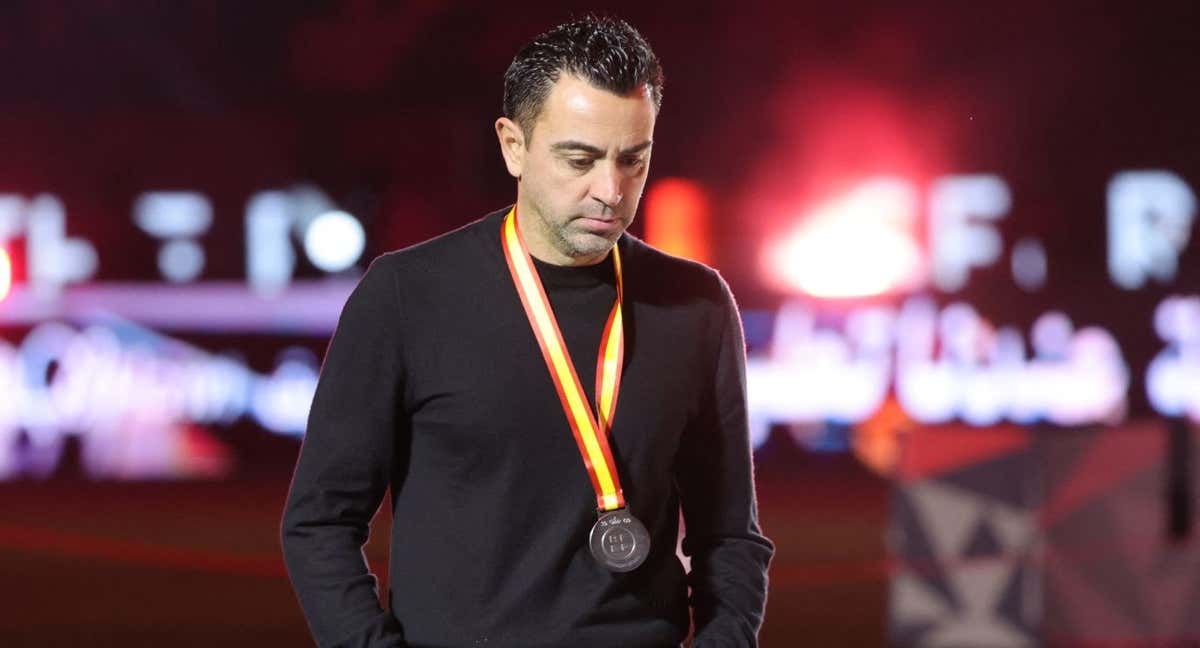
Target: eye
pixel 579 163
pixel 632 161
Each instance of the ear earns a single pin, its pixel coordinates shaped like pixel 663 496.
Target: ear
pixel 512 145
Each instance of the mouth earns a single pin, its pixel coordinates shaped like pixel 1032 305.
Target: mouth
pixel 598 224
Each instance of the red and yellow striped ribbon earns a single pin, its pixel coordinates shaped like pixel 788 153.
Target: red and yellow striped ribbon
pixel 591 432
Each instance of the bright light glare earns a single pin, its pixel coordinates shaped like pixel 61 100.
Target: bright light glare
pixel 859 245
pixel 334 241
pixel 5 274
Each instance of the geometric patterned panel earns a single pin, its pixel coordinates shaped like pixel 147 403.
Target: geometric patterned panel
pixel 1062 540
pixel 1113 572
pixel 964 572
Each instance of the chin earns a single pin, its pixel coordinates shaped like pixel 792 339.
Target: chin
pixel 583 251
pixel 588 243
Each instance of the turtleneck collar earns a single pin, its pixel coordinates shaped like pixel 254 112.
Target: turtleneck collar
pixel 576 276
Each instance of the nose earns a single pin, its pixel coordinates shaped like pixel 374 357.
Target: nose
pixel 606 188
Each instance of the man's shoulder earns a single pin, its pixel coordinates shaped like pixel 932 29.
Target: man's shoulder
pixel 679 275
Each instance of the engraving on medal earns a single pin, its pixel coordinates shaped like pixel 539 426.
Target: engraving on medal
pixel 619 542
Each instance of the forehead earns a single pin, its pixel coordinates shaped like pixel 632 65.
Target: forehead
pixel 578 110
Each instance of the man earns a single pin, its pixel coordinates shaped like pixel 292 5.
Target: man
pixel 463 373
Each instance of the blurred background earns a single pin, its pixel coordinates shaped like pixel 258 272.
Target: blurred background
pixel 962 235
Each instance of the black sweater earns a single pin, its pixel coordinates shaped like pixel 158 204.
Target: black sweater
pixel 433 385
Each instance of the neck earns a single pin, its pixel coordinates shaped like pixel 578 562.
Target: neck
pixel 537 241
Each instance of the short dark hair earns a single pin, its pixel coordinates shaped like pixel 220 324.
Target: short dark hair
pixel 606 52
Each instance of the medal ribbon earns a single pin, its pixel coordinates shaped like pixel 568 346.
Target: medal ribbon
pixel 591 431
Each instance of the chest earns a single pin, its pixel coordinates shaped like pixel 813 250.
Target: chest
pixel 479 396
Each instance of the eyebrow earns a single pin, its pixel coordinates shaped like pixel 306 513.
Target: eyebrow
pixel 573 145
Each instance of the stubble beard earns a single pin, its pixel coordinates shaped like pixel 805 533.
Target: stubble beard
pixel 572 240
pixel 577 242
pixel 580 243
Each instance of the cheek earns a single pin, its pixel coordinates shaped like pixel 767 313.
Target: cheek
pixel 557 187
pixel 554 194
pixel 567 187
pixel 544 174
pixel 539 180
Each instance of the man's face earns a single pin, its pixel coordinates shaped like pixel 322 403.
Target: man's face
pixel 581 170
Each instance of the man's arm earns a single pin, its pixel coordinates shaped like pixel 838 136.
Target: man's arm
pixel 343 472
pixel 729 553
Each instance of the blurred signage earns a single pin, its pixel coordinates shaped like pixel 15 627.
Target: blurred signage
pixel 111 372
pixel 129 393
pixel 94 364
pixel 867 241
pixel 940 364
pixel 60 270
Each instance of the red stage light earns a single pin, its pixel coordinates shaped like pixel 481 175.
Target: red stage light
pixel 5 273
pixel 802 202
pixel 677 219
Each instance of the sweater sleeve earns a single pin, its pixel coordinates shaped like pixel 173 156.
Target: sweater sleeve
pixel 343 472
pixel 729 553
